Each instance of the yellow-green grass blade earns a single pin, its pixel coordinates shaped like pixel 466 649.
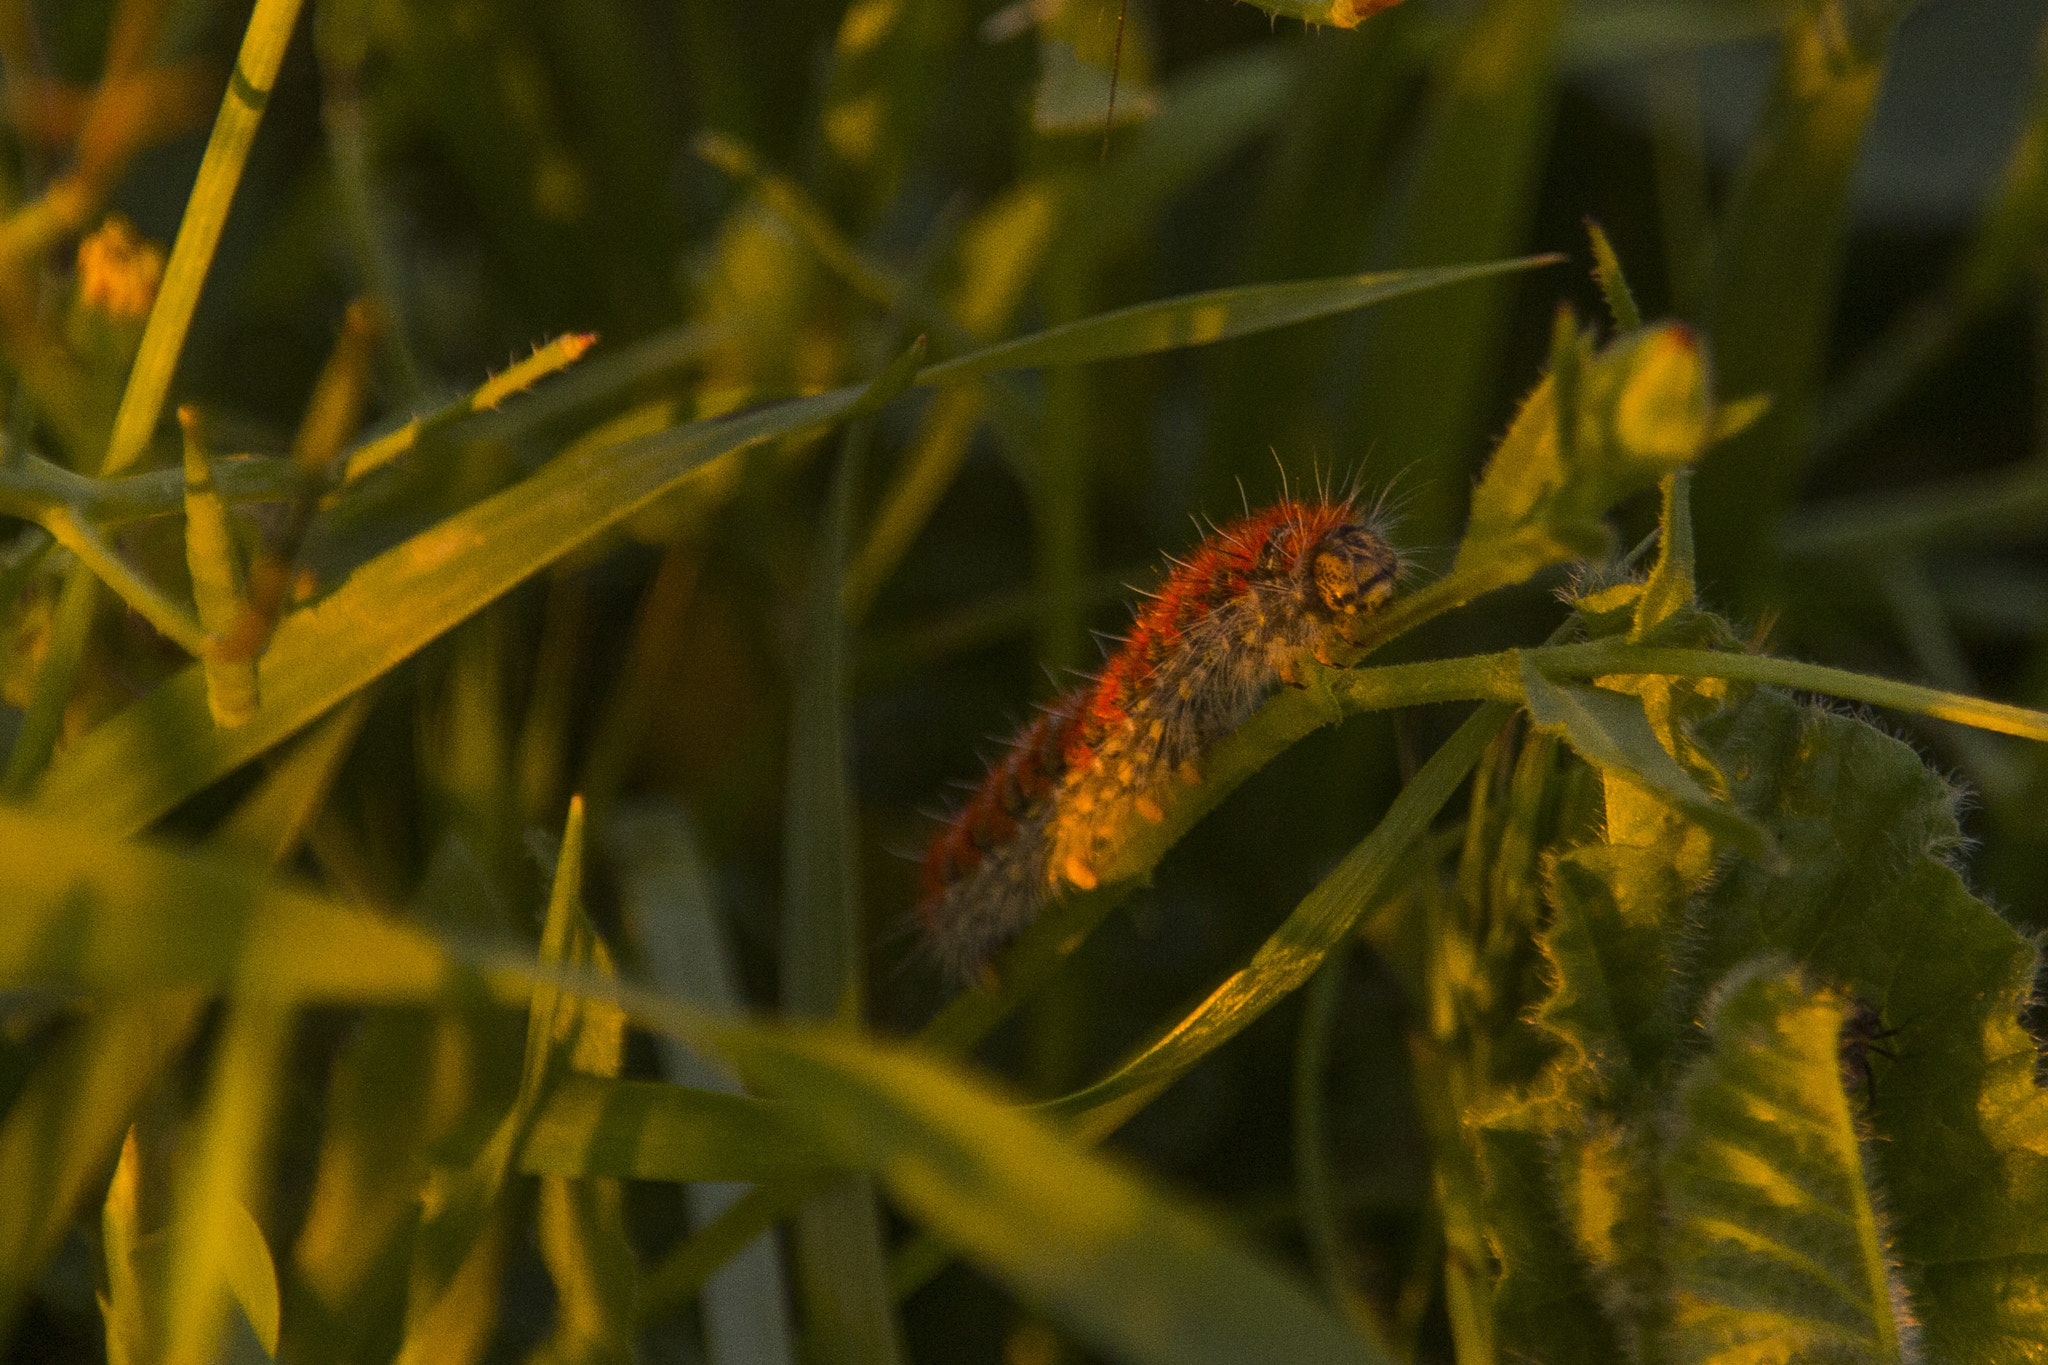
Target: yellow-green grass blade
pixel 1127 1270
pixel 152 756
pixel 206 212
pixel 89 913
pixel 1286 960
pixel 646 1130
pixel 1217 315
pixel 1122 1266
pixel 839 1261
pixel 62 1129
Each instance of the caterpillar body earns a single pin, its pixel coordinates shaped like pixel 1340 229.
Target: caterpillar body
pixel 1229 622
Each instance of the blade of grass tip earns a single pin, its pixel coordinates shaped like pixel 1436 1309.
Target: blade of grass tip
pixel 839 1256
pixel 1215 315
pixel 206 212
pixel 1775 276
pixel 558 354
pixel 1621 300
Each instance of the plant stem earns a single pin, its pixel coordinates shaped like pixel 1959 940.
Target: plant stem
pixel 206 212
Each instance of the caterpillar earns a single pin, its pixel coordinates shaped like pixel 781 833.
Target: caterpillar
pixel 1229 622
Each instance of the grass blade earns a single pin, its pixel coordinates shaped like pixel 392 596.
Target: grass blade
pixel 1218 315
pixel 1775 277
pixel 840 1265
pixel 1127 1270
pixel 1294 952
pixel 162 750
pixel 206 212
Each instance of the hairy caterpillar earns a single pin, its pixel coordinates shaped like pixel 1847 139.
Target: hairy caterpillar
pixel 1230 621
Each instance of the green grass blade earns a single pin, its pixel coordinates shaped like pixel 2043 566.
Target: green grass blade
pixel 1774 287
pixel 839 1260
pixel 206 212
pixel 157 753
pixel 1420 395
pixel 1217 315
pixel 645 1130
pixel 1127 1270
pixel 1288 958
pixel 100 915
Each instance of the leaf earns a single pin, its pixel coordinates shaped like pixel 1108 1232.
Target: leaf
pixel 1611 731
pixel 1778 1247
pixel 1217 315
pixel 1871 905
pixel 1643 414
pixel 1865 905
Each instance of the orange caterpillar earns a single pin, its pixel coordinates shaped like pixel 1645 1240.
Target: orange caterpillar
pixel 1228 623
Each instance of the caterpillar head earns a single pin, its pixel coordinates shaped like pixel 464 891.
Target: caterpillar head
pixel 1349 571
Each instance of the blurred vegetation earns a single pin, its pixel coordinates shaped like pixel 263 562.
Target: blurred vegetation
pixel 513 516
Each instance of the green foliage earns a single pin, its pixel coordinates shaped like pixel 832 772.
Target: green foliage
pixel 406 876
